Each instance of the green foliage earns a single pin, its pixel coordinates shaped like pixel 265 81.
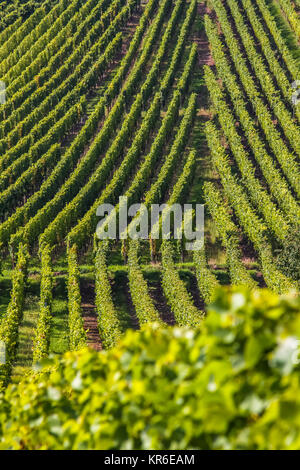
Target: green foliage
pixel 57 210
pixel 10 323
pixel 142 175
pixel 108 321
pixel 179 299
pixel 274 217
pixel 233 384
pixel 46 31
pixel 286 159
pixel 283 115
pixel 43 206
pixel 23 91
pixel 77 337
pixel 42 331
pixel 290 13
pixel 48 122
pixel 70 88
pixel 86 226
pixel 207 281
pixel 251 223
pixel 143 303
pixel 166 172
pixel 230 236
pixel 14 12
pixel 288 259
pixel 276 24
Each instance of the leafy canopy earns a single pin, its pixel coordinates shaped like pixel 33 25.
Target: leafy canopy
pixel 231 384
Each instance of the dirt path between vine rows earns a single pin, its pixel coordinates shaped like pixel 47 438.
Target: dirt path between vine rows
pixel 90 321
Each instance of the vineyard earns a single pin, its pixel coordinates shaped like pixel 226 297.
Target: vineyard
pixel 162 102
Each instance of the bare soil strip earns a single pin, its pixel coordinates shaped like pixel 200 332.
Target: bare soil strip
pixel 87 289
